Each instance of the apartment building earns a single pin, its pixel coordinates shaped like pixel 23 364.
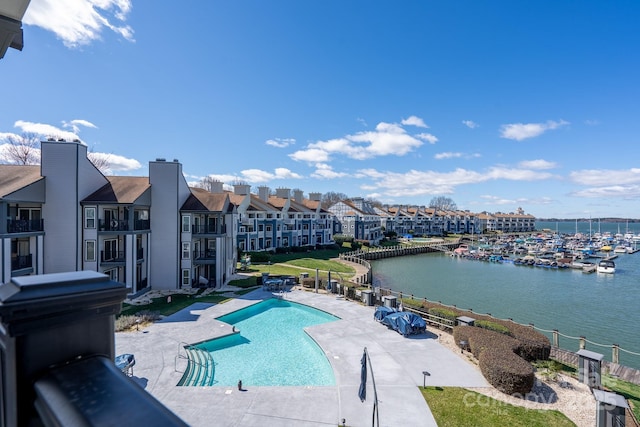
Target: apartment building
pixel 267 222
pixel 358 219
pixel 154 231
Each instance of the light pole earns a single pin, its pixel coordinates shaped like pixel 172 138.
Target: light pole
pixel 425 374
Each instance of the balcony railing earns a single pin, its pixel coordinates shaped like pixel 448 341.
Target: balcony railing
pixel 21 262
pixel 208 255
pixel 142 224
pixel 112 256
pixel 113 225
pixel 24 225
pixel 209 229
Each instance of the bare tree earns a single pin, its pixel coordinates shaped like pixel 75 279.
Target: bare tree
pixel 100 161
pixel 331 198
pixel 374 202
pixel 444 203
pixel 23 149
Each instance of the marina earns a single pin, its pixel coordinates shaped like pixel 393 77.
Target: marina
pixel 600 307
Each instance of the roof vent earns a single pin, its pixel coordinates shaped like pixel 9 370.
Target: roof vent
pixel 176 160
pixel 160 159
pixel 61 140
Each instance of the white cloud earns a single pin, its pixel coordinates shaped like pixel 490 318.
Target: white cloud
pixel 415 183
pixel 310 155
pixel 520 131
pixel 75 125
pixel 414 121
pixel 427 137
pixel 257 176
pixel 447 155
pixel 618 191
pixel 470 124
pixel 537 164
pixel 47 131
pixel 600 177
pixel 386 139
pixel 280 142
pixel 592 122
pixel 495 200
pixel 5 136
pixel 80 22
pixel 325 171
pixel 116 162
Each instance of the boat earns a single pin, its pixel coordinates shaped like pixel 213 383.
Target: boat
pixel 620 249
pixel 606 266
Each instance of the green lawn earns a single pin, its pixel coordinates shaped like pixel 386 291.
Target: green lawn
pixel 629 390
pixel 321 264
pixel 178 302
pixel 454 407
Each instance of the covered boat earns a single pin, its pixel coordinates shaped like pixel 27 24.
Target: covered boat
pixel 382 311
pixel 405 323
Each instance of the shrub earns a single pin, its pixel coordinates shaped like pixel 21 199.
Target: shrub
pixel 445 313
pixel 260 257
pixel 124 323
pixel 499 363
pixel 507 371
pixel 310 282
pixel 492 326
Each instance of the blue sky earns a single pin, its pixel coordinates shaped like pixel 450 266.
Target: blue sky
pixel 495 104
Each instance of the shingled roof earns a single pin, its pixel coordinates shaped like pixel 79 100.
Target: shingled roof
pixel 203 200
pixel 120 189
pixel 16 177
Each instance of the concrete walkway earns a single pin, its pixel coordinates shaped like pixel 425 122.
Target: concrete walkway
pixel 397 365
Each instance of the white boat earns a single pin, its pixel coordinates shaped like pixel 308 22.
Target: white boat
pixel 606 266
pixel 620 249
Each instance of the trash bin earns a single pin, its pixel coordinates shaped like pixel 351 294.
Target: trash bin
pixel 334 286
pixel 304 275
pixel 367 298
pixel 390 301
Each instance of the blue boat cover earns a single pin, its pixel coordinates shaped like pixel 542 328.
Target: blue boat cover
pixel 405 323
pixel 382 311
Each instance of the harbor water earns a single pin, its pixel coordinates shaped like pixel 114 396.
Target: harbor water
pixel 604 308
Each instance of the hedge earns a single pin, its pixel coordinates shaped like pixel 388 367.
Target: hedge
pixel 498 361
pixel 445 313
pixel 492 326
pixel 533 344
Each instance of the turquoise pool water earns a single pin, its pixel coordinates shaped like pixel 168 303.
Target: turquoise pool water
pixel 272 348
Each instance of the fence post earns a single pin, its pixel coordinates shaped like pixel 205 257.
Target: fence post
pixel 556 338
pixel 583 342
pixel 615 353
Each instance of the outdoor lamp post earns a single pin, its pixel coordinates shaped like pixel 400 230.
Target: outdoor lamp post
pixel 11 13
pixel 424 378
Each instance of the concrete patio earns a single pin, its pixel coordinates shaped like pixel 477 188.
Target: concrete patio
pixel 397 365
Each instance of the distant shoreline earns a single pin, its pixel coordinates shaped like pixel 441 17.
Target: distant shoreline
pixel 630 220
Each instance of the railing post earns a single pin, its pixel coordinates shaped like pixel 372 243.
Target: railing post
pixel 583 342
pixel 615 353
pixel 556 338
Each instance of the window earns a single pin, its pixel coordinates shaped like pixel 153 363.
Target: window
pixel 186 249
pixel 90 250
pixel 186 277
pixel 186 224
pixel 268 229
pixel 89 217
pixel 241 245
pixel 260 227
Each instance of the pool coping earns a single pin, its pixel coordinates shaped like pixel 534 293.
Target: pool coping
pixel 397 364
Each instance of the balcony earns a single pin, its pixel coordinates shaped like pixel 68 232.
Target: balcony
pixel 24 225
pixel 142 224
pixel 204 257
pixel 139 254
pixel 21 262
pixel 113 257
pixel 201 229
pixel 113 225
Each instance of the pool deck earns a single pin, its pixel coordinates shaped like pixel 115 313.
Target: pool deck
pixel 397 365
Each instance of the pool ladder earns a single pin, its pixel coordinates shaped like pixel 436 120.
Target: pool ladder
pixel 200 368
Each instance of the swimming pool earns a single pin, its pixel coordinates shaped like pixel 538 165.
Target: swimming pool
pixel 272 349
